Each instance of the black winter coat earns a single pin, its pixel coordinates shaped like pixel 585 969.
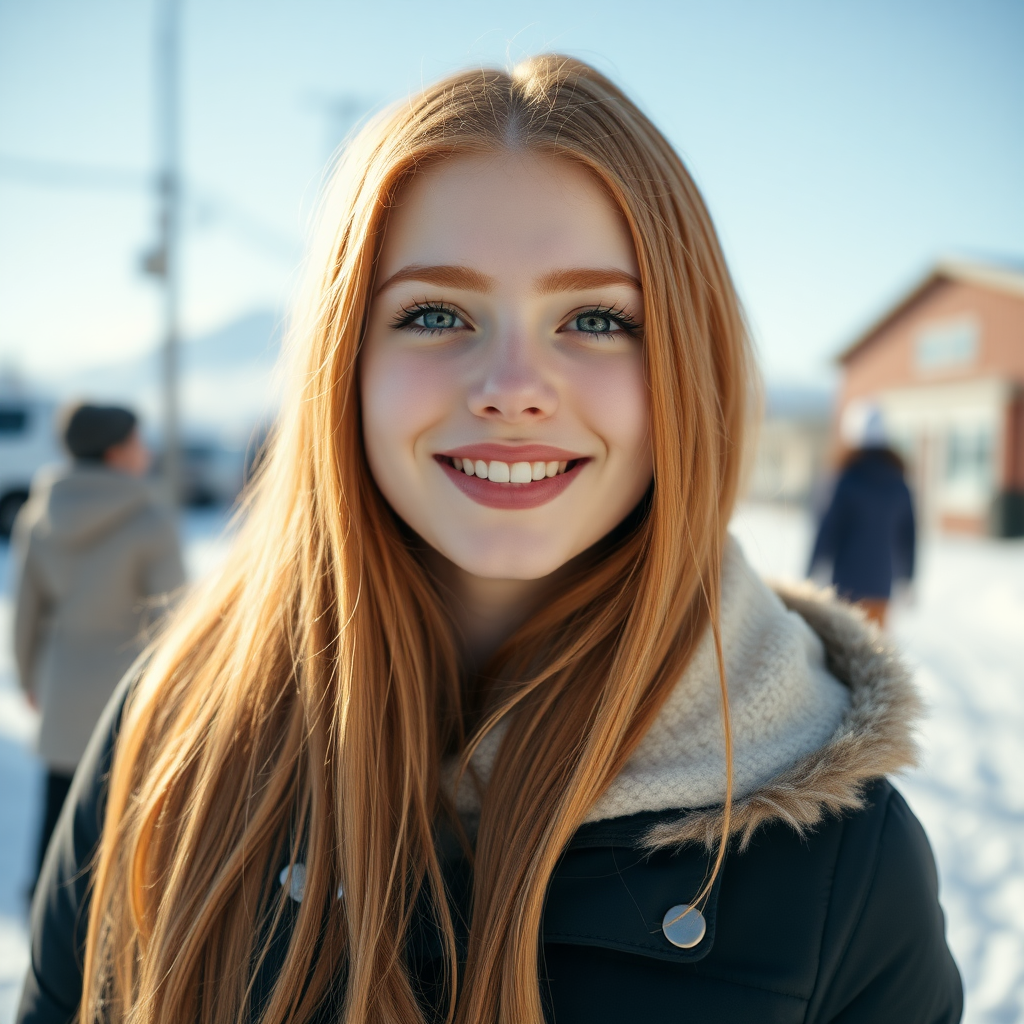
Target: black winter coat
pixel 867 532
pixel 843 926
pixel 828 914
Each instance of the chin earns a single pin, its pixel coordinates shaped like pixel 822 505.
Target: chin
pixel 498 559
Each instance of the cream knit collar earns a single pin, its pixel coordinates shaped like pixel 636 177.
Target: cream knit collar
pixel 793 721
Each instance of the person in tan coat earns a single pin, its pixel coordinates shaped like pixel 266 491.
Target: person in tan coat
pixel 95 554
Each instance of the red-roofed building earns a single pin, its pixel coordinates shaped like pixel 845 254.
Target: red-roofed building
pixel 946 366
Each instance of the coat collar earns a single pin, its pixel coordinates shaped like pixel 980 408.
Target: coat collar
pixel 820 707
pixel 873 739
pixel 784 703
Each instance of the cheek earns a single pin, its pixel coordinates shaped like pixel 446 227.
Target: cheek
pixel 403 395
pixel 614 400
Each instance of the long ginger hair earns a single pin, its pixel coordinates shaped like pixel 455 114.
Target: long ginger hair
pixel 301 704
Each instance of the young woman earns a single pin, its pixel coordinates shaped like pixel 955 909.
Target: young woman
pixel 448 738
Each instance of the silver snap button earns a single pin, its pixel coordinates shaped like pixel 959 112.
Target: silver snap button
pixel 295 878
pixel 684 926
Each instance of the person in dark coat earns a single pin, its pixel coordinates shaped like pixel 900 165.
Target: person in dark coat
pixel 485 718
pixel 867 534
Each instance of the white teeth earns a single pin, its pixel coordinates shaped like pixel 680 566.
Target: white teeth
pixel 504 472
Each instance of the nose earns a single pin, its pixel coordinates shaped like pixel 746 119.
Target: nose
pixel 513 387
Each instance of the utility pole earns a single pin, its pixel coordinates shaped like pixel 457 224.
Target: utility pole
pixel 165 261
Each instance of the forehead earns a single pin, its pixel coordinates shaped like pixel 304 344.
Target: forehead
pixel 507 214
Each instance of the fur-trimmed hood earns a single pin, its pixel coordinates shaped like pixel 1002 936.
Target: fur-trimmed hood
pixel 820 706
pixel 874 738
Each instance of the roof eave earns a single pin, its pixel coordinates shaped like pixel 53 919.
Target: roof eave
pixel 996 278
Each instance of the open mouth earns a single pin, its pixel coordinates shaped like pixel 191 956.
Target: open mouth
pixel 511 485
pixel 509 472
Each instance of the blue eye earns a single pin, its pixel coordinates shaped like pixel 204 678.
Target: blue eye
pixel 429 318
pixel 594 323
pixel 603 320
pixel 437 319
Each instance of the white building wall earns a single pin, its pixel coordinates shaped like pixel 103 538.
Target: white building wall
pixel 951 436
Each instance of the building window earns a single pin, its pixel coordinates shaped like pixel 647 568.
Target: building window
pixel 969 457
pixel 947 345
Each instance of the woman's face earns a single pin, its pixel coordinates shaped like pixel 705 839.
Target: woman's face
pixel 505 411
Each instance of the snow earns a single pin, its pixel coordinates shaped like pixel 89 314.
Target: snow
pixel 963 631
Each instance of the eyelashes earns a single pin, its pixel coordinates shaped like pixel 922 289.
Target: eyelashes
pixel 408 315
pixel 614 314
pixel 438 318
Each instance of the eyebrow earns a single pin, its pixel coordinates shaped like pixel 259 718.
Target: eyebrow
pixel 574 279
pixel 448 276
pixel 578 279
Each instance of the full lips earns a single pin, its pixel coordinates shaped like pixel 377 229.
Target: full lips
pixel 511 496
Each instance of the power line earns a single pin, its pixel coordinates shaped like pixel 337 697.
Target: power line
pixel 195 200
pixel 209 206
pixel 59 174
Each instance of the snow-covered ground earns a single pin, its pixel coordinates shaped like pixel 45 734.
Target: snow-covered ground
pixel 963 630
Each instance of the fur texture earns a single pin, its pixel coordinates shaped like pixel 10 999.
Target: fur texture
pixel 874 739
pixel 783 702
pixel 819 705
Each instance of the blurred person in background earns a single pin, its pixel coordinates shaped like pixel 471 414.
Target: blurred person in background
pixel 94 549
pixel 867 534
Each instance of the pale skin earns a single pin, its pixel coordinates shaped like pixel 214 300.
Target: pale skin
pixel 131 456
pixel 508 310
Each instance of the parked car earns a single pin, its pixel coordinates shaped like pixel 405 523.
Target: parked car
pixel 211 473
pixel 27 441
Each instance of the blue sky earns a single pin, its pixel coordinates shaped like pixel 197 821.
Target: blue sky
pixel 841 146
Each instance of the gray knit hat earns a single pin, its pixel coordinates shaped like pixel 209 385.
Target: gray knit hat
pixel 89 430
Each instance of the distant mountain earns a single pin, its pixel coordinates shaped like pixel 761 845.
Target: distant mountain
pixel 227 378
